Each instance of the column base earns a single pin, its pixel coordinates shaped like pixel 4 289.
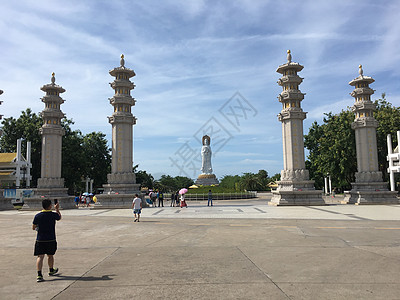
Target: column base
pixel 296 192
pixel 49 183
pixel 121 188
pixel 51 192
pixel 293 198
pixel 66 202
pixel 364 193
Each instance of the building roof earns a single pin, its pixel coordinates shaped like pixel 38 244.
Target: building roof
pixel 7 157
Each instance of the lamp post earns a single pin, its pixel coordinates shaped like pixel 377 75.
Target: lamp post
pixel 326 184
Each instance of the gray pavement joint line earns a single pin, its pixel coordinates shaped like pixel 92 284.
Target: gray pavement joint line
pixel 101 212
pixel 369 251
pixel 152 243
pixel 111 254
pixel 265 274
pixel 260 210
pixel 337 213
pixel 303 232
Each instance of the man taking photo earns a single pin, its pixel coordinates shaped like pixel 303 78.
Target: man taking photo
pixel 45 225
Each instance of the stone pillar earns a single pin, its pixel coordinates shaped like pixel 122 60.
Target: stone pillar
pixel 369 187
pixel 294 188
pixel 50 185
pixel 50 182
pixel 122 180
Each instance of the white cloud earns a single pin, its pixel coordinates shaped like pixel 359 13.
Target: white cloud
pixel 190 57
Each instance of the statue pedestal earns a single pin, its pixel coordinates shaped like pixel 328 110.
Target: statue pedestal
pixel 207 180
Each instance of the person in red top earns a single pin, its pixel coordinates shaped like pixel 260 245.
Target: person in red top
pixel 44 223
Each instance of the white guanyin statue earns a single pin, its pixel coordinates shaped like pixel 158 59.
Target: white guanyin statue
pixel 206 156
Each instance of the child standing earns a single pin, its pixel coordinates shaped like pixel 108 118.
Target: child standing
pixel 137 207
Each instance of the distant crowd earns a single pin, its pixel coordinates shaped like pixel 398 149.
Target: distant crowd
pixel 85 199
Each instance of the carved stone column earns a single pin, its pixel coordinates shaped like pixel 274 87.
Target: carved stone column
pixel 369 187
pixel 294 188
pixel 122 180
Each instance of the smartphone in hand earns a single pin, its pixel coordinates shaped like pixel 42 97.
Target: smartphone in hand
pixel 55 201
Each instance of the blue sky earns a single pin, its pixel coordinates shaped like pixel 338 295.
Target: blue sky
pixel 201 66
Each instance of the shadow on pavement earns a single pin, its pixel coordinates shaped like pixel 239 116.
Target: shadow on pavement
pixel 83 278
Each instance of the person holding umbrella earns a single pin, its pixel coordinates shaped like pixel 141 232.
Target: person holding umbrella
pixel 182 192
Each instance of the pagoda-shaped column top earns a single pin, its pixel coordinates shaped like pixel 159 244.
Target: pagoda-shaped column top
pixel 283 69
pixel 291 96
pixel 363 107
pixel 361 78
pixel 122 72
pixel 362 91
pixel 52 86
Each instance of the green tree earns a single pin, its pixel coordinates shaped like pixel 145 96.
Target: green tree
pixel 97 156
pixel 275 178
pixel 144 179
pixel 332 146
pixel 73 158
pixel 183 182
pixel 166 183
pixel 230 182
pixel 263 180
pixel 169 183
pixel 253 182
pixel 332 150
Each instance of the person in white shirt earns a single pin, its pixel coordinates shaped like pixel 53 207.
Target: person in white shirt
pixel 137 207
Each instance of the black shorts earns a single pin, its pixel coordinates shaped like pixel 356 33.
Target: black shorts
pixel 45 247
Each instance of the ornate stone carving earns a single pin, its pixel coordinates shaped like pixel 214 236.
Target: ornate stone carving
pixel 369 176
pixel 51 182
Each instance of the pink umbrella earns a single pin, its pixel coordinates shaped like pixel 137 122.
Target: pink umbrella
pixel 183 191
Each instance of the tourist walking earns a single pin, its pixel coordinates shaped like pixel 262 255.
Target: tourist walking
pixel 160 197
pixel 77 200
pixel 46 244
pixel 173 200
pixel 177 198
pixel 183 202
pixel 209 198
pixel 137 207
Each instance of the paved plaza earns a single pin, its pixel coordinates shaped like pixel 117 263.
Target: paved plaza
pixel 233 250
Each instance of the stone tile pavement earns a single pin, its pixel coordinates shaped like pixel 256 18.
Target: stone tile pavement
pixel 233 250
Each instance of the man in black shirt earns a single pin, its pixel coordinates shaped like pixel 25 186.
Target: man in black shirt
pixel 44 223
